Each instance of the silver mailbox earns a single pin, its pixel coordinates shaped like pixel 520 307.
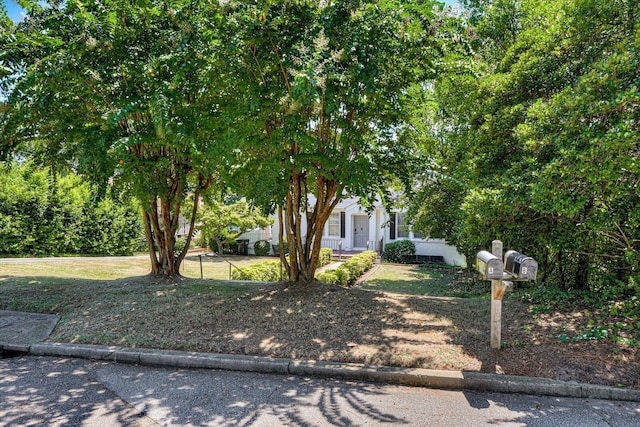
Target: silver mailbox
pixel 520 266
pixel 489 265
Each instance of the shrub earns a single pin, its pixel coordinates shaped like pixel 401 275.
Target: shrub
pixel 262 247
pixel 326 255
pixel 400 251
pixel 342 275
pixel 350 270
pixel 228 247
pixel 180 242
pixel 355 267
pixel 267 271
pixel 328 277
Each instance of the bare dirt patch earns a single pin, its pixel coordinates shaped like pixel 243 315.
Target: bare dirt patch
pixel 323 322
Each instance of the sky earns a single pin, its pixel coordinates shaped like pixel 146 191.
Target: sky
pixel 13 9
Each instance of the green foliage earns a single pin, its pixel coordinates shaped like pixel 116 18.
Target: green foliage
pixel 328 277
pixel 115 90
pixel 42 213
pixel 316 112
pixel 262 247
pixel 612 312
pixel 224 223
pixel 593 334
pixel 342 275
pixel 400 251
pixel 350 270
pixel 267 271
pixel 548 298
pixel 326 256
pixel 537 145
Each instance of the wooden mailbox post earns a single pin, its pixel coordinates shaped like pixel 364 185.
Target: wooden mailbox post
pixel 502 273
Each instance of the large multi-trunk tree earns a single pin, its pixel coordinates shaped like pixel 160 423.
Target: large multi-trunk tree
pixel 116 90
pixel 321 89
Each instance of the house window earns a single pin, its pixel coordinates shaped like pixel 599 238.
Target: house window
pixel 333 225
pixel 402 228
pixel 418 235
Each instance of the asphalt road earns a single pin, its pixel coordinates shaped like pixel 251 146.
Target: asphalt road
pixel 75 392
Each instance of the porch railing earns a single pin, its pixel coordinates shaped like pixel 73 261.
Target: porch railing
pixel 334 243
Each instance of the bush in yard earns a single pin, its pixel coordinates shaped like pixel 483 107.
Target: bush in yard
pixel 328 277
pixel 350 270
pixel 326 255
pixel 355 267
pixel 267 271
pixel 262 247
pixel 400 251
pixel 228 247
pixel 342 275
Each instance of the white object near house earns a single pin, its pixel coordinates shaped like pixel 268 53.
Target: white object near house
pixel 351 228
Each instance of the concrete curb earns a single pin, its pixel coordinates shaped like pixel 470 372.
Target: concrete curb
pixel 450 380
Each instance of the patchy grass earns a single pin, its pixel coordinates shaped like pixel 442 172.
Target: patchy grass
pixel 50 270
pixel 322 322
pixel 431 280
pixel 75 268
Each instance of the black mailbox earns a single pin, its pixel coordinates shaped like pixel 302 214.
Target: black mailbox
pixel 489 265
pixel 520 266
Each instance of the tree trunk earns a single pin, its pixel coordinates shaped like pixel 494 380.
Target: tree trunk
pixel 581 280
pixel 146 219
pixel 192 223
pixel 160 230
pixel 283 256
pixel 304 251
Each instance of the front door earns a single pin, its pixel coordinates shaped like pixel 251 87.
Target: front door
pixel 361 231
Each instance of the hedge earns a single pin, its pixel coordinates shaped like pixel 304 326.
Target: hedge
pixel 267 271
pixel 350 270
pixel 328 277
pixel 43 213
pixel 326 255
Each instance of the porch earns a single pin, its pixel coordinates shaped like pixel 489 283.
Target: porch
pixel 337 244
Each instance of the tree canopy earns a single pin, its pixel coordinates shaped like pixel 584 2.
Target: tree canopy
pixel 221 222
pixel 538 144
pixel 117 91
pixel 321 92
pixel 531 138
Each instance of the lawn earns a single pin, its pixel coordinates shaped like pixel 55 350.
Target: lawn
pixel 400 316
pixel 432 280
pixel 51 270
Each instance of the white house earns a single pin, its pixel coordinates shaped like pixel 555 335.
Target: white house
pixel 351 228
